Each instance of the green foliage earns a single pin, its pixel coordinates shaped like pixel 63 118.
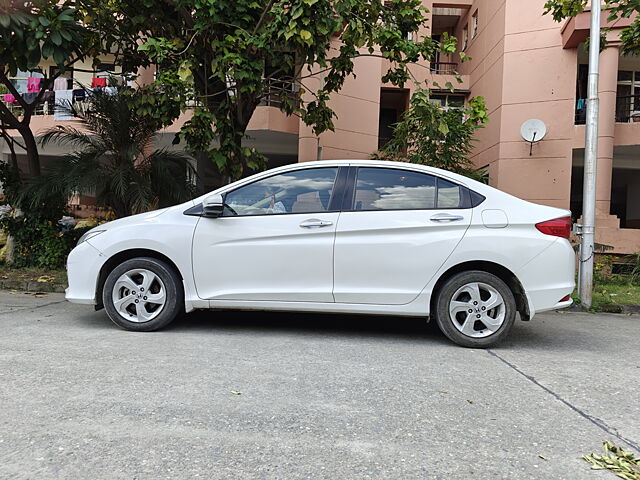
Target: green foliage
pixel 39 240
pixel 612 291
pixel 227 54
pixel 561 9
pixel 630 36
pixel 635 269
pixel 115 161
pixel 618 461
pixel 431 135
pixel 44 29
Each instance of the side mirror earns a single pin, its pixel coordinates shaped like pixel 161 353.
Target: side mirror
pixel 212 206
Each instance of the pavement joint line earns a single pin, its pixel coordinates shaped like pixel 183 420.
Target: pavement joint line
pixel 32 308
pixel 596 421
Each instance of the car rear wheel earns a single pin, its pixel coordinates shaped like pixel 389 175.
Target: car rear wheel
pixel 475 309
pixel 143 294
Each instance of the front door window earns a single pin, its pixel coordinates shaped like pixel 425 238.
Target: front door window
pixel 301 191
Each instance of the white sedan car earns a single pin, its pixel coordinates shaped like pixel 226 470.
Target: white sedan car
pixel 348 236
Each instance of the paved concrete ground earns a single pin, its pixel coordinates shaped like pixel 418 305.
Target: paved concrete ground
pixel 332 397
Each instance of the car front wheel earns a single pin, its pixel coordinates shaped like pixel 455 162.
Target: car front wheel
pixel 143 294
pixel 475 309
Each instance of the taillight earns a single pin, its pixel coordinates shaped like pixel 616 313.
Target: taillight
pixel 558 227
pixel 566 298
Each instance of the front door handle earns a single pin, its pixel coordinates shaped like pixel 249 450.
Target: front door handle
pixel 315 223
pixel 446 217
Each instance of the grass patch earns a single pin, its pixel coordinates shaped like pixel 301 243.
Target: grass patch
pixel 611 294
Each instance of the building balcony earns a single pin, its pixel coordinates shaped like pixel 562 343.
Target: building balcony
pixel 444 68
pixel 267 115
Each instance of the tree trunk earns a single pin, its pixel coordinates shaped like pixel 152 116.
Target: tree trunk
pixel 10 256
pixel 202 165
pixel 13 159
pixel 33 156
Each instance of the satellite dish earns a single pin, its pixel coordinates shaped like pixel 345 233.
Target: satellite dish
pixel 533 131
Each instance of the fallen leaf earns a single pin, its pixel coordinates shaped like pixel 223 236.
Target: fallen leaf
pixel 441 391
pixel 470 402
pixel 45 279
pixel 13 293
pixel 39 295
pixel 543 458
pixel 235 392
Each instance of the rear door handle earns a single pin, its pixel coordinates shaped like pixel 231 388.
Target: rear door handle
pixel 315 223
pixel 446 217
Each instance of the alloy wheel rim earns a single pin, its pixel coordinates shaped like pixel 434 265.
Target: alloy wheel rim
pixel 477 310
pixel 139 295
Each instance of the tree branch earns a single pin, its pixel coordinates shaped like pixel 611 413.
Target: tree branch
pixel 262 17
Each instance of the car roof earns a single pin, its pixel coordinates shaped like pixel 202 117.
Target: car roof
pixel 454 177
pixel 379 163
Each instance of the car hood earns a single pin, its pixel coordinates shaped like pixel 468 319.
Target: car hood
pixel 142 218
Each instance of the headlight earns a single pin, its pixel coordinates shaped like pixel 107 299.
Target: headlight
pixel 88 235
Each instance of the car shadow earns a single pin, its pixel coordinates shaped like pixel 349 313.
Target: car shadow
pixel 297 323
pixel 523 337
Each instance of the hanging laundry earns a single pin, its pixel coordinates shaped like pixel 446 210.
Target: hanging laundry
pixel 29 97
pixel 61 83
pixel 98 82
pixel 79 94
pixel 110 90
pixel 9 98
pixel 581 104
pixel 63 105
pixel 33 84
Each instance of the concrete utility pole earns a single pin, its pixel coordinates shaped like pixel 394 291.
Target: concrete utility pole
pixel 590 162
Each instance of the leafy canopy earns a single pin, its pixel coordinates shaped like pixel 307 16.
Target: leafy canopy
pixel 221 58
pixel 31 31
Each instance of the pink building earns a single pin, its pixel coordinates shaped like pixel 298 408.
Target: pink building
pixel 526 66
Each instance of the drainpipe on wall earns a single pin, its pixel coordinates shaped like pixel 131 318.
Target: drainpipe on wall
pixel 590 162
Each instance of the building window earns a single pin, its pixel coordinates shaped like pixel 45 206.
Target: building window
pixel 474 25
pixel 465 37
pixel 628 97
pixel 448 101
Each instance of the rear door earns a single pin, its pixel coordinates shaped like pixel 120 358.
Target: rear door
pixel 396 230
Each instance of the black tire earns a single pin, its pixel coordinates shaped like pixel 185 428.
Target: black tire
pixel 166 281
pixel 477 317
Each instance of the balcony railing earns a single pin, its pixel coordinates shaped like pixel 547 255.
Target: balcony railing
pixel 444 68
pixel 277 89
pixel 627 110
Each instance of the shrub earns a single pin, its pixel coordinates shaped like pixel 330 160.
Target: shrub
pixel 39 240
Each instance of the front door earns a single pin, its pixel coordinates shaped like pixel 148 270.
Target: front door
pixel 400 228
pixel 273 242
